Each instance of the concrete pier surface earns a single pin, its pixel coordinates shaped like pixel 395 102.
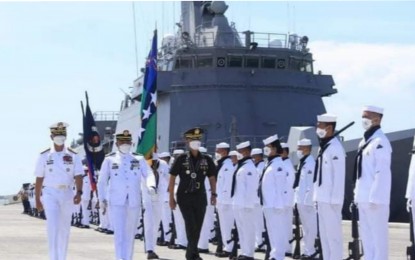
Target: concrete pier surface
pixel 24 237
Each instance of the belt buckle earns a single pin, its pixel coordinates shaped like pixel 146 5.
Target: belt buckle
pixel 62 187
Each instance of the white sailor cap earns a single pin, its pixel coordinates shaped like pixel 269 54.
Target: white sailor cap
pixel 202 149
pixel 373 109
pixel 222 145
pixel 243 145
pixel 270 139
pixel 256 151
pixel 284 145
pixel 304 142
pixel 164 154
pixel 233 153
pixel 327 118
pixel 178 151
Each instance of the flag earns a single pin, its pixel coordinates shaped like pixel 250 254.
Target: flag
pixel 92 143
pixel 148 130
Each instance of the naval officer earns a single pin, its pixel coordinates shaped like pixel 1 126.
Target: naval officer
pixel 192 167
pixel 329 180
pixel 56 169
pixel 258 158
pixel 303 196
pixel 373 185
pixel 122 194
pixel 272 193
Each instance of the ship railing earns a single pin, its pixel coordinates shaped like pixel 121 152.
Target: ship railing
pixel 106 115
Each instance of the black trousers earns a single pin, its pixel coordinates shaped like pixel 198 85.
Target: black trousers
pixel 193 208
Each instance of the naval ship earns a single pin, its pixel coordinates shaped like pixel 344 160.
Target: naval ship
pixel 240 86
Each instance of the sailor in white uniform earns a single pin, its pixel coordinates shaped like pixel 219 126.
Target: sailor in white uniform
pixel 410 188
pixel 258 158
pixel 56 169
pixel 329 181
pixel 373 185
pixel 166 213
pixel 272 193
pixel 86 200
pixel 303 186
pixel 244 192
pixel 122 194
pixel 225 169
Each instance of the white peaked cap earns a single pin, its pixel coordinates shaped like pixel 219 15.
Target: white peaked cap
pixel 373 109
pixel 304 142
pixel 202 149
pixel 270 139
pixel 178 151
pixel 256 151
pixel 284 145
pixel 327 118
pixel 222 145
pixel 164 154
pixel 243 145
pixel 233 153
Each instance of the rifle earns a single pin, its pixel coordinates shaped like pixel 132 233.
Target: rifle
pixel 172 230
pixel 235 239
pixel 410 250
pixel 355 251
pixel 298 234
pixel 266 241
pixel 317 243
pixel 160 239
pixel 218 234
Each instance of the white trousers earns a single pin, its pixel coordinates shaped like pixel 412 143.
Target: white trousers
pixel 288 212
pixel 373 225
pixel 227 220
pixel 104 219
pixel 275 220
pixel 181 238
pixel 152 218
pixel 124 220
pixel 58 206
pixel 330 226
pixel 85 212
pixel 166 220
pixel 308 219
pixel 244 218
pixel 207 226
pixel 259 224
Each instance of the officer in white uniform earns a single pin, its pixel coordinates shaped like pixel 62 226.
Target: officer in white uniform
pixel 258 158
pixel 289 195
pixel 244 192
pixel 86 200
pixel 373 185
pixel 225 169
pixel 272 195
pixel 123 193
pixel 329 180
pixel 303 186
pixel 166 213
pixel 56 169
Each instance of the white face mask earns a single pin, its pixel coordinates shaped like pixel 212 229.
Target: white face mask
pixel 124 148
pixel 218 156
pixel 366 123
pixel 321 133
pixel 267 151
pixel 239 156
pixel 300 154
pixel 59 140
pixel 194 145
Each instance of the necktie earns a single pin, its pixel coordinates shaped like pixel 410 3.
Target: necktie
pixel 357 173
pixel 260 182
pixel 319 169
pixel 234 178
pixel 298 173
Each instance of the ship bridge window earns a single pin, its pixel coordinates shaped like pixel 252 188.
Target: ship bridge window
pixel 203 62
pixel 306 66
pixel 268 63
pixel 251 62
pixel 183 63
pixel 235 61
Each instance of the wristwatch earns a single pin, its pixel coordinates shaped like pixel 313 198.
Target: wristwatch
pixel 79 192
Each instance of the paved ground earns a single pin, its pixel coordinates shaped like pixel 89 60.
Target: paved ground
pixel 24 237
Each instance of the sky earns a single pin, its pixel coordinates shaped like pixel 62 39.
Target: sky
pixel 52 52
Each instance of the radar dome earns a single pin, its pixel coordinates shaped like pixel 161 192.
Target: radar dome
pixel 218 7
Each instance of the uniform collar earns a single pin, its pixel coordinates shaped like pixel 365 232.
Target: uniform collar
pixel 52 149
pixel 369 133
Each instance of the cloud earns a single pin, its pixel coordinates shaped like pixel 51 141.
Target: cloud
pixel 378 74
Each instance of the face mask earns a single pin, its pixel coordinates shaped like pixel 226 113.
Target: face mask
pixel 218 156
pixel 194 145
pixel 239 156
pixel 366 123
pixel 59 140
pixel 267 151
pixel 300 154
pixel 321 133
pixel 124 148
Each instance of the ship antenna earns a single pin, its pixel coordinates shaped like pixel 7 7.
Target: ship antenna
pixel 135 38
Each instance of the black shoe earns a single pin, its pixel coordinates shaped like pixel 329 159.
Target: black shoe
pixel 223 254
pixel 203 251
pixel 152 255
pixel 163 243
pixel 177 246
pixel 288 254
pixel 109 232
pixel 139 236
pixel 259 250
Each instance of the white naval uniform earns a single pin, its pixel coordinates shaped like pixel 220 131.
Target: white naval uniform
pixel 153 200
pixel 224 202
pixel 305 205
pixel 259 215
pixel 243 200
pixel 410 187
pixel 289 201
pixel 123 193
pixel 208 220
pixel 85 199
pixel 166 212
pixel 273 188
pixel 181 238
pixel 329 197
pixel 58 170
pixel 372 195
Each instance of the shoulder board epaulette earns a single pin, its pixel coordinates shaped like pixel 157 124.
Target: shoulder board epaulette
pixel 137 154
pixel 110 154
pixel 45 151
pixel 72 151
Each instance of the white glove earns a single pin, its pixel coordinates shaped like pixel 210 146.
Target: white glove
pixel 408 205
pixel 152 191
